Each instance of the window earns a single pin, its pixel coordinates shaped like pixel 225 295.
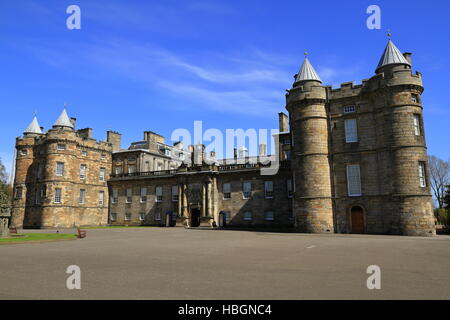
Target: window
pixel 101 198
pixel 351 131
pixel 142 216
pixel 353 180
pixel 247 190
pixel 103 156
pixel 143 194
pixel 57 198
pixel 84 153
pixel 113 216
pixel 129 195
pixel 61 146
pixel 248 216
pixel 83 168
pixel 289 187
pixel 287 155
pixel 168 152
pixel 159 194
pixel 422 176
pixel 349 109
pixel 19 191
pixel 131 169
pixel 37 199
pixel 226 191
pixel 60 169
pixel 268 189
pixel 175 196
pixel 44 191
pixel 102 174
pixel 157 216
pixel 118 170
pixel 182 156
pixel 268 216
pixel 115 196
pixel 40 170
pixel 127 216
pixel 82 196
pixel 414 98
pixel 160 167
pixel 23 152
pixel 417 130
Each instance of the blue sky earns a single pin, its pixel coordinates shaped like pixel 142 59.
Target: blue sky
pixel 160 65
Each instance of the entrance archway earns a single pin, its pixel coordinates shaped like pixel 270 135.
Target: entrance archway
pixel 195 218
pixel 357 220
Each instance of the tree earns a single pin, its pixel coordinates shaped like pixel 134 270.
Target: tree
pixel 447 199
pixel 439 176
pixel 5 190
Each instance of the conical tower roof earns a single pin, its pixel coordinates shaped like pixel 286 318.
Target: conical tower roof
pixel 63 120
pixel 391 55
pixel 33 127
pixel 307 72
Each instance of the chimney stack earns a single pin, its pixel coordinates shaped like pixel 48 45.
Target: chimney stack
pixel 407 56
pixel 283 122
pixel 73 121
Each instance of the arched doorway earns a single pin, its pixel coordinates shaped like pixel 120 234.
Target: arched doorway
pixel 357 219
pixel 222 219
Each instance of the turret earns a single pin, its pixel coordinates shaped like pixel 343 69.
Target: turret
pixel 306 103
pixel 405 139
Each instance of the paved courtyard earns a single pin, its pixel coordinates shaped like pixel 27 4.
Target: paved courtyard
pixel 174 263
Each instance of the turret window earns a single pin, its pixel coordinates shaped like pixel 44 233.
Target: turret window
pixel 417 129
pixel 414 98
pixel 58 192
pixel 422 175
pixel 23 152
pixel 60 169
pixel 351 130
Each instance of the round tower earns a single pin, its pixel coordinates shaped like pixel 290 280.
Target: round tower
pixel 411 212
pixel 312 201
pixel 24 177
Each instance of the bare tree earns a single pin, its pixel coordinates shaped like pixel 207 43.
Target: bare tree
pixel 439 176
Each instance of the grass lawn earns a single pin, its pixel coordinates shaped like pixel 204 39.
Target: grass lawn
pixel 114 227
pixel 29 237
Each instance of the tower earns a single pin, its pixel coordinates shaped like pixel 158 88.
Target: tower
pixel 306 103
pixel 398 97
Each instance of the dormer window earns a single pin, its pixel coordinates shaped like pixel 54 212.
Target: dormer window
pixel 349 109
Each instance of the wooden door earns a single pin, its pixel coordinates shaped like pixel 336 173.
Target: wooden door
pixel 357 217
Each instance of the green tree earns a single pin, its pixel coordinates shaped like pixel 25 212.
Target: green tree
pixel 447 199
pixel 5 189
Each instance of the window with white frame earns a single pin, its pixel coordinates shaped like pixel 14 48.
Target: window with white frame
pixel 269 216
pixel 143 194
pixel 19 192
pixel 422 175
pixel 113 216
pixel 115 196
pixel 57 198
pixel 129 195
pixel 61 146
pixel 351 130
pixel 157 216
pixel 226 189
pixel 142 216
pixel 268 189
pixel 349 109
pixel 168 152
pixel 127 216
pixel 60 169
pixel 83 169
pixel 82 196
pixel 248 216
pixel 175 196
pixel 353 180
pixel 159 194
pixel 247 190
pixel 416 120
pixel 289 187
pixel 101 198
pixel 102 174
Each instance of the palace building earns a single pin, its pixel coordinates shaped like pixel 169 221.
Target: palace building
pixel 351 159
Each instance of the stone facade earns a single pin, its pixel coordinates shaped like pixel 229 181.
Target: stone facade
pixel 353 160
